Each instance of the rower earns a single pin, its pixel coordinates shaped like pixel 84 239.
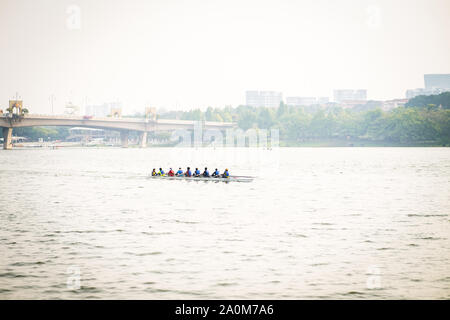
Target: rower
pixel 226 174
pixel 161 172
pixel 171 173
pixel 205 173
pixel 154 173
pixel 196 172
pixel 179 172
pixel 188 172
pixel 216 173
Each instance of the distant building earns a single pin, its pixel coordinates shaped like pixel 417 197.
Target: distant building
pixel 395 103
pixel 301 101
pixel 80 134
pixel 77 134
pixel 323 100
pixel 349 95
pixel 365 105
pixel 103 110
pixel 350 104
pixel 434 84
pixel 270 99
pixel 440 81
pixel 306 101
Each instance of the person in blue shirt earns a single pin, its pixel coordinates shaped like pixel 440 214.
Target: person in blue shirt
pixel 161 172
pixel 196 172
pixel 205 173
pixel 179 172
pixel 226 174
pixel 188 172
pixel 216 173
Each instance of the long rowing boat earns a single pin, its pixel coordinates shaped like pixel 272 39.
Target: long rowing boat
pixel 230 179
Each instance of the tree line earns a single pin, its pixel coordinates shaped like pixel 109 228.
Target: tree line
pixel 402 125
pixel 440 100
pixel 45 133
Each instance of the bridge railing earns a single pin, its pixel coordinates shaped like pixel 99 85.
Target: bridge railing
pixel 174 122
pixel 72 117
pixel 135 120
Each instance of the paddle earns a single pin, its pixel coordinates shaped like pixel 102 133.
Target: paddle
pixel 242 177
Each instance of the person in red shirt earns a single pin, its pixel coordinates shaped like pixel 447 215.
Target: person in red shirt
pixel 171 173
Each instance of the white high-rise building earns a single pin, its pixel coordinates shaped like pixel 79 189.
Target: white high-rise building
pixel 301 101
pixel 350 94
pixel 434 84
pixel 269 99
pixel 438 81
pixel 323 100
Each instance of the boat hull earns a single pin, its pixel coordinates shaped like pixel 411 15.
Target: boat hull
pixel 231 179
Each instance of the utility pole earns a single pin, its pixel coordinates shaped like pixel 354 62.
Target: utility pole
pixel 85 106
pixel 52 99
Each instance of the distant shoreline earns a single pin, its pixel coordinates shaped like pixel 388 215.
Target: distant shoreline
pixel 283 144
pixel 359 143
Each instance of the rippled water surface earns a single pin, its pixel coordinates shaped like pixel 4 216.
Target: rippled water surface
pixel 316 223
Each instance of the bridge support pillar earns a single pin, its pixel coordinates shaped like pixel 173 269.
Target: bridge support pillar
pixel 143 139
pixel 124 138
pixel 7 138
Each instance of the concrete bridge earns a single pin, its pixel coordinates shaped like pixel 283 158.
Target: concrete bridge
pixel 124 125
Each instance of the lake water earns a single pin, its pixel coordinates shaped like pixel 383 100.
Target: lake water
pixel 328 223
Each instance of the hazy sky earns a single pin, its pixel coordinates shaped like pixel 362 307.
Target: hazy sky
pixel 198 53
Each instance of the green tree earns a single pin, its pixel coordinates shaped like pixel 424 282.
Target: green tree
pixel 442 99
pixel 265 118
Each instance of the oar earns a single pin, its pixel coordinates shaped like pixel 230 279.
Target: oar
pixel 242 177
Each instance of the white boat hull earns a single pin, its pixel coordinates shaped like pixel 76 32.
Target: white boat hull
pixel 230 179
